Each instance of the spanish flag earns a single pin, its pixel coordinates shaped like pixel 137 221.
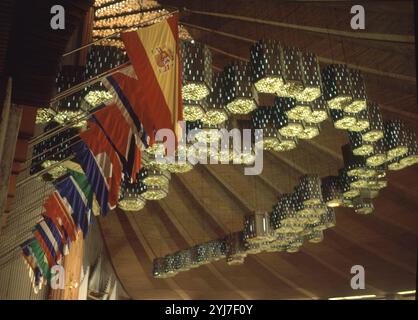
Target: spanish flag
pixel 154 54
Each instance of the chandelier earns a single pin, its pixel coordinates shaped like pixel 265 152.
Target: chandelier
pixel 267 60
pixel 332 191
pixel 235 248
pixel 257 227
pixel 131 198
pixel 375 130
pixel 194 110
pixel 240 96
pixel 196 69
pixel 216 109
pixel 358 145
pixel 344 88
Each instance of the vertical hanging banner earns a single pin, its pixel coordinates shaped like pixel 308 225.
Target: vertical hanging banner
pixel 155 97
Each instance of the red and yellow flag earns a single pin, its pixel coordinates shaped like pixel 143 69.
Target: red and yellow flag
pixel 154 54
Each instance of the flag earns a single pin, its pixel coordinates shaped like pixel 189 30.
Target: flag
pixel 86 188
pixel 122 136
pixel 106 158
pixel 123 86
pixel 45 247
pixel 94 174
pixel 56 210
pixel 155 97
pixel 76 201
pixel 35 258
pixel 51 247
pixel 60 237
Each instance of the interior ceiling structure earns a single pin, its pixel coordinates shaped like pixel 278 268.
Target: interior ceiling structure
pixel 210 201
pixel 30 50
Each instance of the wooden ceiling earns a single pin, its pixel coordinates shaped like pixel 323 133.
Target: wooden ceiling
pixel 30 51
pixel 211 201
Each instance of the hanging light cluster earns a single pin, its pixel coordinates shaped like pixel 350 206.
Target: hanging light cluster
pixel 71 106
pixel 193 257
pixel 285 71
pixel 266 118
pixel 131 195
pixel 216 109
pixel 113 17
pixel 53 150
pixel 196 69
pixel 297 217
pixel 239 93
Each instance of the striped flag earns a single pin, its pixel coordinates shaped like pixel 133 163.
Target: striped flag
pixel 76 202
pixel 94 174
pixel 35 258
pixel 85 186
pixel 49 244
pixel 56 210
pixel 46 247
pixel 155 97
pixel 107 160
pixel 122 135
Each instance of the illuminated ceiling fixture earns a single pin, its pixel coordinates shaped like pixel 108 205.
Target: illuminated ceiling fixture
pixel 208 132
pixel 184 33
pixel 131 198
pixel 356 165
pixel 336 84
pixel 266 60
pixel 319 111
pixel 310 189
pixel 363 205
pixel 200 254
pixel 315 236
pixel 196 70
pixel 157 149
pixel 362 121
pixel 194 110
pixel 329 219
pixel 279 224
pixel 156 178
pixel 216 249
pixel 70 107
pixel 262 118
pixel 395 139
pixel 358 93
pixel 344 88
pixel 358 145
pixel 342 120
pixel 292 74
pixel 346 184
pixel 378 157
pixel 44 115
pixel 310 131
pixel 52 150
pixel 235 248
pixel 411 157
pixel 240 96
pixel 311 77
pixel 257 227
pixel 332 191
pixel 285 126
pixel 293 109
pixel 216 109
pixel 375 131
pixel 97 97
pixel 295 245
pixel 155 193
